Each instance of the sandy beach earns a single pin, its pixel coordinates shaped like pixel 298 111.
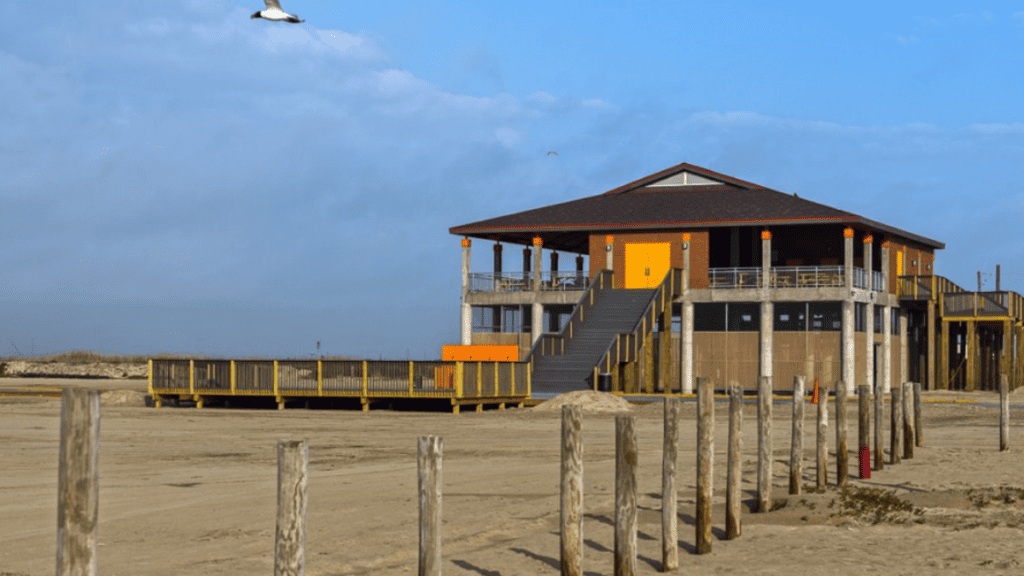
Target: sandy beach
pixel 186 491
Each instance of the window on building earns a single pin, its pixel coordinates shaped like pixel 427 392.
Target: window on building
pixel 860 316
pixel 896 321
pixel 790 316
pixel 709 317
pixel 743 316
pixel 825 316
pixel 879 319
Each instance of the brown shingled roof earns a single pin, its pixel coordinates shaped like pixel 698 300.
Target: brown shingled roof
pixel 636 207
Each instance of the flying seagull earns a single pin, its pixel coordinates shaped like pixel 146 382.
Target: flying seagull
pixel 274 12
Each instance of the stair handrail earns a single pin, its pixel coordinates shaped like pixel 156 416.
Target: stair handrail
pixel 675 288
pixel 602 279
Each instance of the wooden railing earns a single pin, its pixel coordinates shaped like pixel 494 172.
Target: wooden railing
pixel 627 347
pixel 926 287
pixel 554 344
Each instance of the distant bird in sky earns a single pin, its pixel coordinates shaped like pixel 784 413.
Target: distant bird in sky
pixel 552 152
pixel 274 12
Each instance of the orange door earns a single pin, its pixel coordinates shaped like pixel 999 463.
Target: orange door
pixel 646 264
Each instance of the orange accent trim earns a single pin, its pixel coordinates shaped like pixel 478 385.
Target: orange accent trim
pixel 466 243
pixel 480 353
pixel 537 241
pixel 886 244
pixel 686 237
pixel 848 233
pixel 608 239
pixel 868 239
pixel 766 234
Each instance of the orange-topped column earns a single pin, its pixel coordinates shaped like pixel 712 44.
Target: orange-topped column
pixel 466 325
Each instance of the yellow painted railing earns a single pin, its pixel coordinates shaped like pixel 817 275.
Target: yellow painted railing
pixel 340 378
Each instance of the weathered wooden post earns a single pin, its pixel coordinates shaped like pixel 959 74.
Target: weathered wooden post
pixel 908 420
pixel 879 410
pixel 918 426
pixel 733 524
pixel 669 521
pixel 822 447
pixel 1004 413
pixel 764 444
pixel 625 495
pixel 896 425
pixel 842 452
pixel 429 466
pixel 705 461
pixel 863 427
pixel 572 491
pixel 78 482
pixel 796 449
pixel 292 481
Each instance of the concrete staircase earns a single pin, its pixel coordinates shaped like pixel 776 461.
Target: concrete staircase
pixel 614 312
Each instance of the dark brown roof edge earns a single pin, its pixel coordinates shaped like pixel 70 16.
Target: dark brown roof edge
pixel 596 226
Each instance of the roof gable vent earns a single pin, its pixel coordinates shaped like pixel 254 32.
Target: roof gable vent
pixel 683 179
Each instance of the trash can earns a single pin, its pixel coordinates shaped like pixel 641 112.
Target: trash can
pixel 604 382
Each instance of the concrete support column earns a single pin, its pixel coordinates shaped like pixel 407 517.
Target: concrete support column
pixel 885 383
pixel 537 262
pixel 869 328
pixel 537 325
pixel 686 325
pixel 849 372
pixel 767 310
pixel 466 325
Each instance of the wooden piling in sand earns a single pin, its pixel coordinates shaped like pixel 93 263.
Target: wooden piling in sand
pixel 863 431
pixel 625 495
pixel 733 524
pixel 822 442
pixel 571 533
pixel 908 420
pixel 896 425
pixel 879 442
pixel 78 482
pixel 796 449
pixel 764 444
pixel 429 468
pixel 669 521
pixel 292 481
pixel 1004 413
pixel 842 451
pixel 705 461
pixel 918 432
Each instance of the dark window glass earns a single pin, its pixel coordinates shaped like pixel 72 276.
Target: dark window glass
pixel 860 316
pixel 896 321
pixel 790 316
pixel 825 316
pixel 879 318
pixel 709 317
pixel 744 316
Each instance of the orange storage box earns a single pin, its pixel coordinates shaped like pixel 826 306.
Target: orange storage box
pixel 480 353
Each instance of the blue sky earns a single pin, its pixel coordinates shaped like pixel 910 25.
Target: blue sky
pixel 177 177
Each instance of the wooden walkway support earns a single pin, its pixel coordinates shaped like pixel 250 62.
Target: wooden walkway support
pixel 733 524
pixel 863 431
pixel 1004 413
pixel 705 461
pixel 572 492
pixel 428 458
pixel 918 432
pixel 796 450
pixel 764 444
pixel 908 420
pixel 292 482
pixel 669 521
pixel 896 425
pixel 625 495
pixel 78 482
pixel 879 442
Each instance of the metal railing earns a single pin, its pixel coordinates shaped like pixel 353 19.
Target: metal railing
pixel 327 378
pixel 554 344
pixel 523 281
pixel 793 277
